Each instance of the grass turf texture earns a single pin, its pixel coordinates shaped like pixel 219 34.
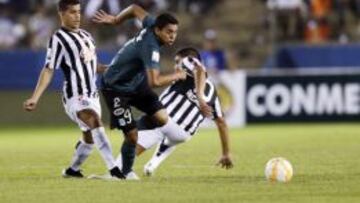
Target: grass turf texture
pixel 325 158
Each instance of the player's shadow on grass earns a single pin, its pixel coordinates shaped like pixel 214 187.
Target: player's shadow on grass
pixel 213 179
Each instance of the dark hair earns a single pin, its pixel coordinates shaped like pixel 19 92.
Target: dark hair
pixel 63 4
pixel 164 19
pixel 188 51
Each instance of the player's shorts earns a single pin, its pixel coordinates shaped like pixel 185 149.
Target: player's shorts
pixel 75 104
pixel 149 138
pixel 119 106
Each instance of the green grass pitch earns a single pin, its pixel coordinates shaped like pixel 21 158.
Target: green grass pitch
pixel 325 158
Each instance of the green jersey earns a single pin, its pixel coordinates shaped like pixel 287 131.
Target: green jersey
pixel 127 71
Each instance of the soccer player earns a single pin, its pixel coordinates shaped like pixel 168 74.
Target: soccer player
pixel 73 51
pixel 133 71
pixel 181 100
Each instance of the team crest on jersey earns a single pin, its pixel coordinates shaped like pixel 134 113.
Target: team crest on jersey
pixel 191 96
pixel 87 54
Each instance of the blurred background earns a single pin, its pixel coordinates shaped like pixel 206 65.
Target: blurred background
pixel 272 60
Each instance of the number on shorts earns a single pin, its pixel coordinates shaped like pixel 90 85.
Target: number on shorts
pixel 117 102
pixel 127 116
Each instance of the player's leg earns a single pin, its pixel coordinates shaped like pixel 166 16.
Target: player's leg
pixel 173 136
pixel 146 140
pixel 167 125
pixel 93 122
pixel 87 113
pixel 83 149
pixel 156 115
pixel 128 150
pixel 161 152
pixel 121 118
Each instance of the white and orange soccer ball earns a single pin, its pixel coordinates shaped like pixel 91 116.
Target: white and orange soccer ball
pixel 278 170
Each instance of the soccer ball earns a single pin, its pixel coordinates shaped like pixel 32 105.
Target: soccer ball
pixel 278 169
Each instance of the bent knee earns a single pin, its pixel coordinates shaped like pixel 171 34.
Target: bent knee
pixel 161 118
pixel 90 118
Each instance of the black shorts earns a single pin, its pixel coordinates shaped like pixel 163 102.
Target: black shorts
pixel 119 106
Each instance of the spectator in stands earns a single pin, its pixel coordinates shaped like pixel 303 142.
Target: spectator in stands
pixel 318 27
pixel 195 7
pixel 112 6
pixel 289 18
pixel 342 7
pixel 213 57
pixel 10 31
pixel 40 26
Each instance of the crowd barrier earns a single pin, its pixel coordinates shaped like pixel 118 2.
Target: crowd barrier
pixel 290 96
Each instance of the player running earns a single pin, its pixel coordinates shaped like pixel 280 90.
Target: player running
pixel 133 71
pixel 72 50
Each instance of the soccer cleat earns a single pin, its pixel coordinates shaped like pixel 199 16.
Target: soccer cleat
pixel 148 169
pixel 132 176
pixel 116 173
pixel 70 173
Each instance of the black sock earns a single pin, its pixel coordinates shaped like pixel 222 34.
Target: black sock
pixel 128 156
pixel 162 148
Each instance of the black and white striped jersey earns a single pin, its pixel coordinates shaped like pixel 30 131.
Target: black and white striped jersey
pixel 182 105
pixel 74 53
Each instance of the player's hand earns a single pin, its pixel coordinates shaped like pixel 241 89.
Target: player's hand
pixel 101 17
pixel 225 162
pixel 180 73
pixel 30 104
pixel 205 109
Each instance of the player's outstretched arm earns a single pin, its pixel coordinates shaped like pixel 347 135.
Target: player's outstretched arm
pixel 155 79
pixel 132 11
pixel 225 160
pixel 43 82
pixel 200 82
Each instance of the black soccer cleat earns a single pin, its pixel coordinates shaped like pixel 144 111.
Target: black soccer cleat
pixel 70 173
pixel 116 173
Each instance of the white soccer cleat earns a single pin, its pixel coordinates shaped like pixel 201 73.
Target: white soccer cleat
pixel 132 176
pixel 149 170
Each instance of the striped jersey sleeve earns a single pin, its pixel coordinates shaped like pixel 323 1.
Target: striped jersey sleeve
pixel 53 53
pixel 217 112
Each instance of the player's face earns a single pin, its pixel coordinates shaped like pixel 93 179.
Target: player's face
pixel 178 59
pixel 71 16
pixel 167 34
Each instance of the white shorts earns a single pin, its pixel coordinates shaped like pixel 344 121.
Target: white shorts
pixel 75 104
pixel 149 138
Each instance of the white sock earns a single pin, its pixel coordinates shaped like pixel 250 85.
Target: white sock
pixel 158 157
pixel 118 161
pixel 103 145
pixel 82 152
